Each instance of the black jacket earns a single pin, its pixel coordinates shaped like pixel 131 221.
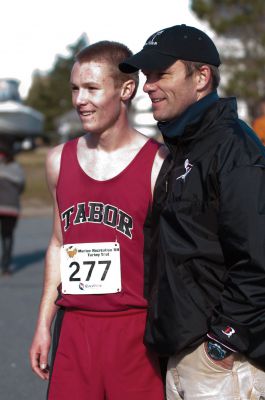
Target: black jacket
pixel 210 257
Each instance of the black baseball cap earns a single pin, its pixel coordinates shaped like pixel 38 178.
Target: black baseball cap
pixel 179 42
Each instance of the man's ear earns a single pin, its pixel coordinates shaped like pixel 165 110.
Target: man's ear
pixel 127 89
pixel 203 77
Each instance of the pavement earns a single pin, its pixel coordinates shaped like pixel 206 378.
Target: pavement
pixel 19 299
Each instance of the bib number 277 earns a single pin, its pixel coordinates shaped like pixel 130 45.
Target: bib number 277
pixel 90 268
pixel 91 265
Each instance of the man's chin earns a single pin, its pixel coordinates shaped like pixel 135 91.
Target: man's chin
pixel 160 118
pixel 157 117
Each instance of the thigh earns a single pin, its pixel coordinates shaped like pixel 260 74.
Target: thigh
pixel 251 381
pixel 102 356
pixel 8 224
pixel 76 373
pixel 130 371
pixel 195 376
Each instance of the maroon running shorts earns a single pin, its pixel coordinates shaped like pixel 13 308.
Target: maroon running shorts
pixel 101 356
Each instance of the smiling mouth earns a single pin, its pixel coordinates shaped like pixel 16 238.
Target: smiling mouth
pixel 157 100
pixel 86 113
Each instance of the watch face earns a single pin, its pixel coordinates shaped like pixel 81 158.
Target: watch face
pixel 216 351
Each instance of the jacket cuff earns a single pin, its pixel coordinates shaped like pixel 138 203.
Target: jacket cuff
pixel 233 335
pixel 212 337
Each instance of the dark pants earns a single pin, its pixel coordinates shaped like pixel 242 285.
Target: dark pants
pixel 7 224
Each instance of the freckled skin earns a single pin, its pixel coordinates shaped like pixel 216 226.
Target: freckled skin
pixel 94 91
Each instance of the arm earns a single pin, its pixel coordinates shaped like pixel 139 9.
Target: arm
pixel 14 173
pixel 160 157
pixel 42 338
pixel 151 232
pixel 239 319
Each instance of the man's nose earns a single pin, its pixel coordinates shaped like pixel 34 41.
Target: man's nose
pixel 81 97
pixel 148 86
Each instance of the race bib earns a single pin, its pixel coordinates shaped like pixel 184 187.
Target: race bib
pixel 90 268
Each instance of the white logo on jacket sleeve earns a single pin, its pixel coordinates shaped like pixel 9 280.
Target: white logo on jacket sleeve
pixel 229 331
pixel 188 167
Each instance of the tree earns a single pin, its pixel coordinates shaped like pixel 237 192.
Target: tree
pixel 50 91
pixel 241 24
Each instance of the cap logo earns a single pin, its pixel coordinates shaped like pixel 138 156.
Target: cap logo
pixel 152 41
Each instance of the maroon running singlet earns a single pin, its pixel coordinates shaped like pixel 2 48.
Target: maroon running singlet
pixel 99 352
pixel 108 211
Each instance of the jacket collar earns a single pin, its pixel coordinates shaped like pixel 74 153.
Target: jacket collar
pixel 176 127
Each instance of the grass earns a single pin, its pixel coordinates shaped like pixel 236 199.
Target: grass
pixel 36 193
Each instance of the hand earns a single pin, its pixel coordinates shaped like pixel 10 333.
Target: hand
pixel 39 352
pixel 226 363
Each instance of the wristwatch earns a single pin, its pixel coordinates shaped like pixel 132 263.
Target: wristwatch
pixel 216 351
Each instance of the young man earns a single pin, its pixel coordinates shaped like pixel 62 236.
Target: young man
pixel 207 303
pixel 102 186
